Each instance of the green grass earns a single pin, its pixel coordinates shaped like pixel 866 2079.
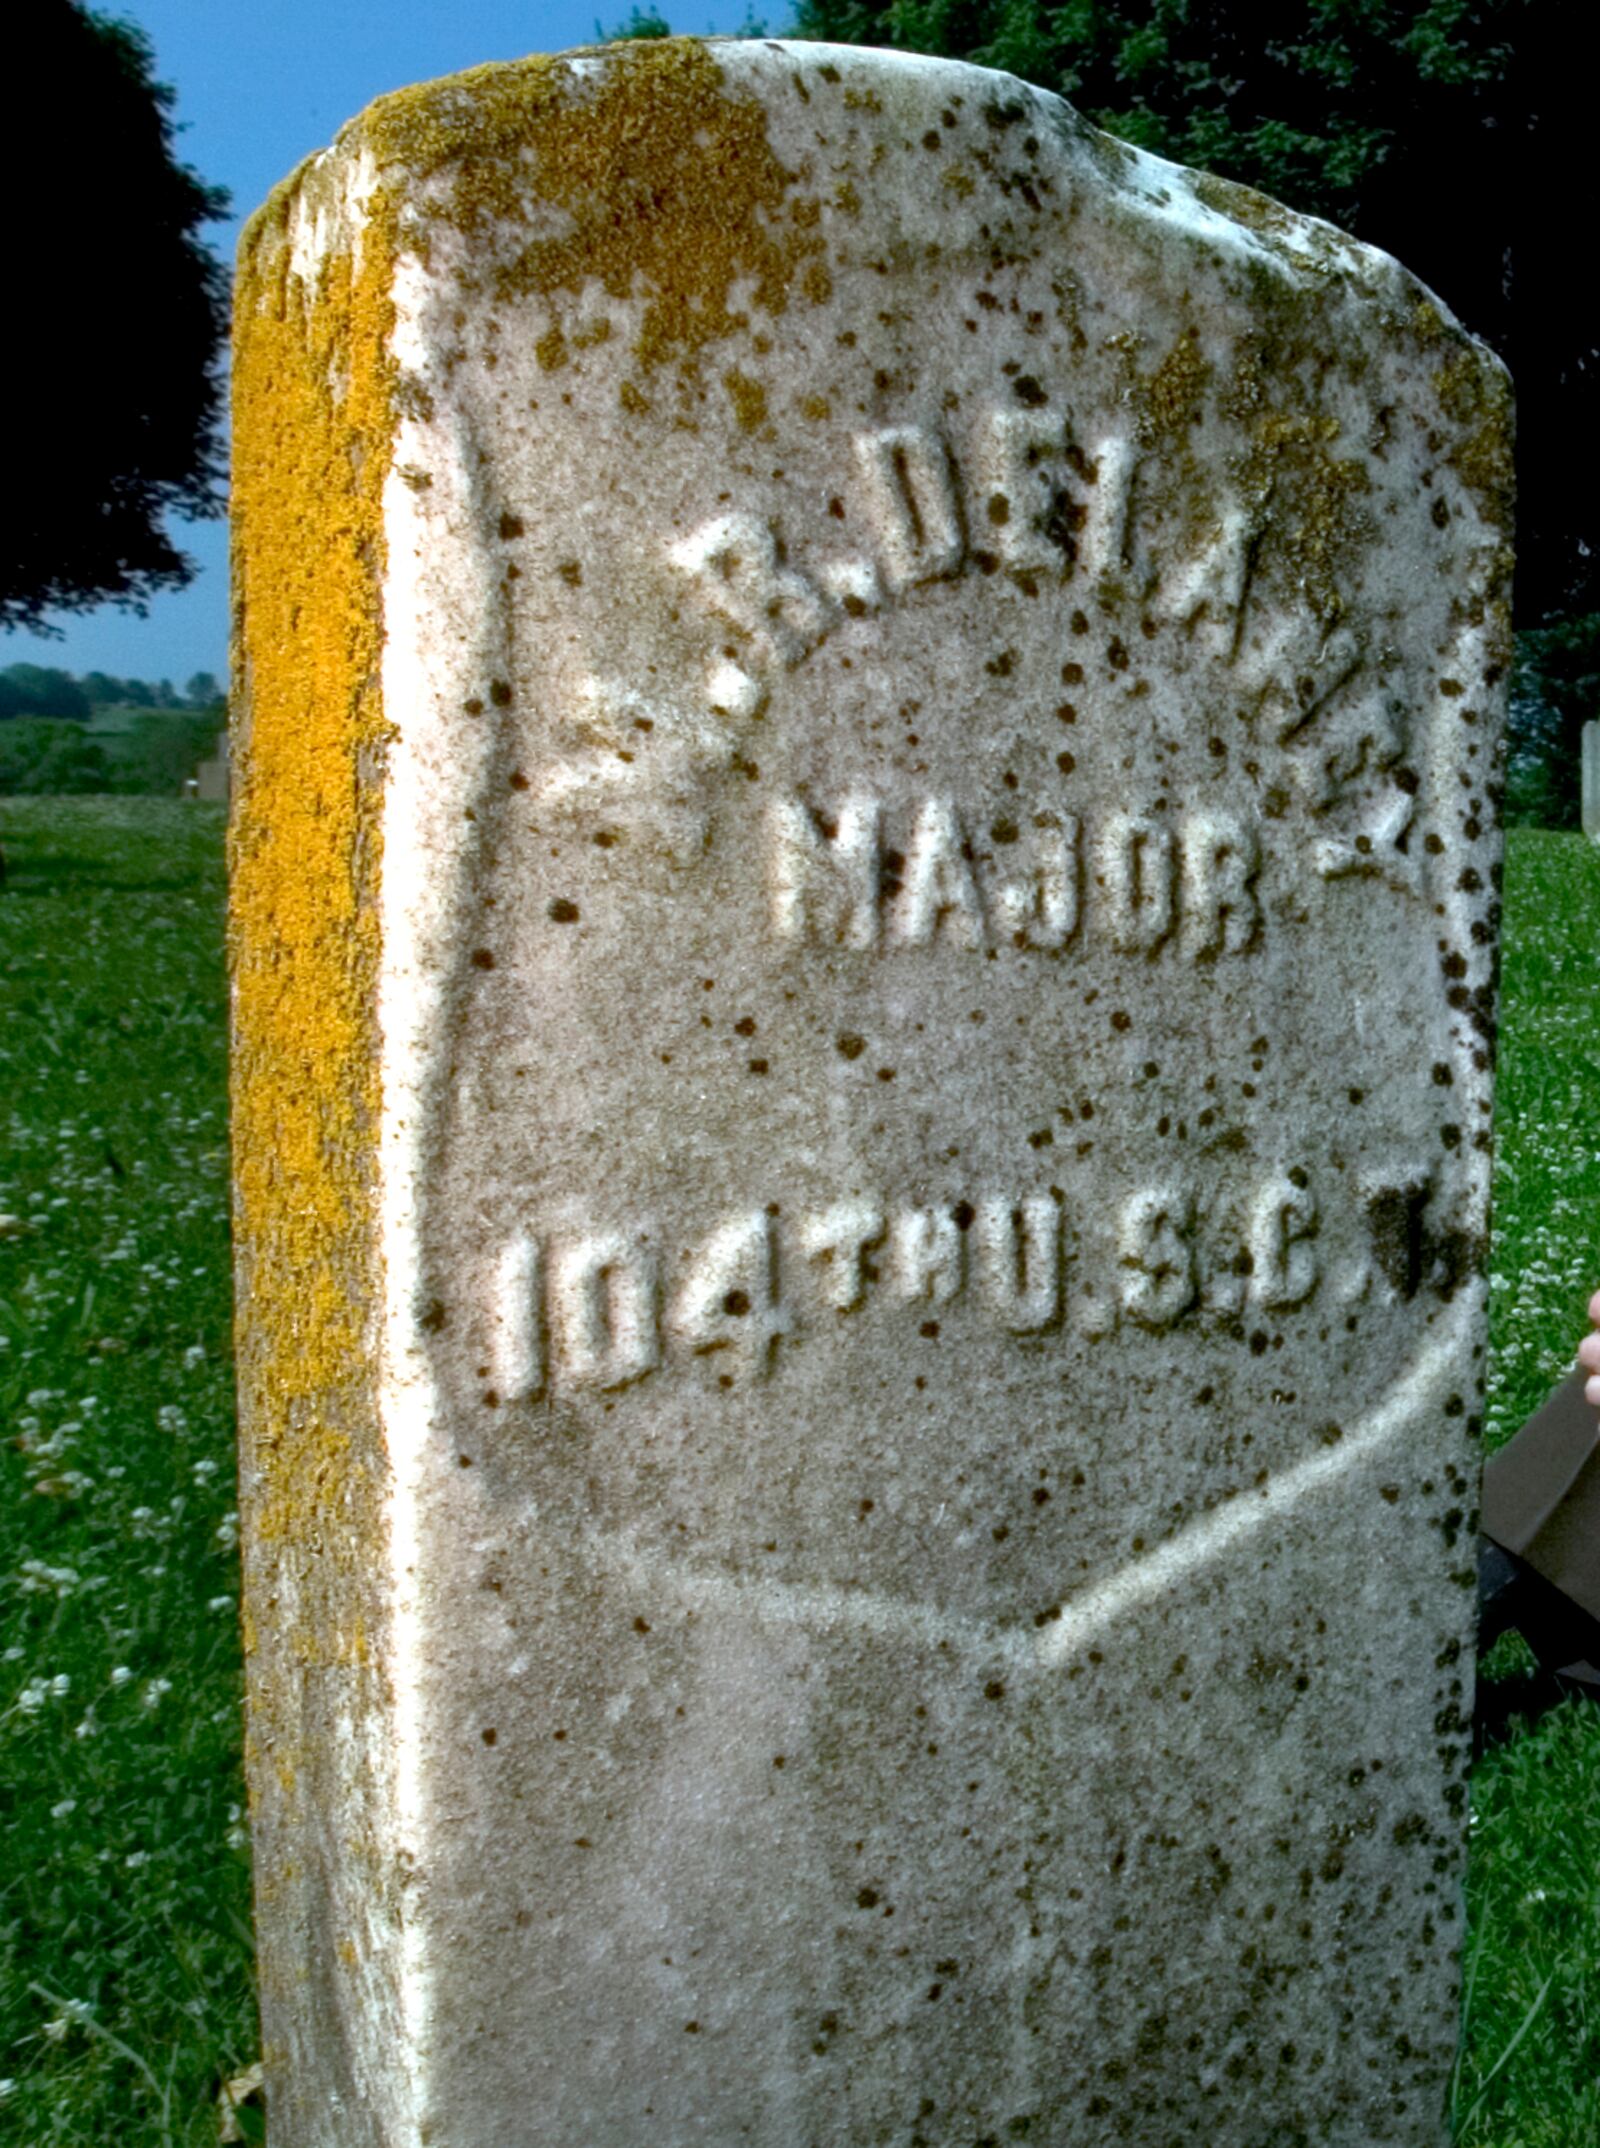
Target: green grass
pixel 1534 1885
pixel 125 1982
pixel 125 1991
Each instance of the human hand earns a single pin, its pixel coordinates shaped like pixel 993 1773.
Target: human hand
pixel 1589 1354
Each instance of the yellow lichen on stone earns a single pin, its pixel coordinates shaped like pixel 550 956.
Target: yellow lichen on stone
pixel 1172 398
pixel 312 431
pixel 1257 212
pixel 748 397
pixel 1477 397
pixel 664 175
pixel 314 420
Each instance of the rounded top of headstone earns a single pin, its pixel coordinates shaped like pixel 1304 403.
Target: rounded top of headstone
pixel 718 173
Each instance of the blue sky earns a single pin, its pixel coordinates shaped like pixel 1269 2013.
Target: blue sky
pixel 260 84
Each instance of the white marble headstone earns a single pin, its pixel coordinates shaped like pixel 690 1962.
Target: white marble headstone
pixel 864 944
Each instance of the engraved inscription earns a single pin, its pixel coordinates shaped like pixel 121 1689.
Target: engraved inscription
pixel 867 876
pixel 1030 491
pixel 596 1311
pixel 825 871
pixel 729 1297
pixel 911 506
pixel 603 1310
pixel 1037 491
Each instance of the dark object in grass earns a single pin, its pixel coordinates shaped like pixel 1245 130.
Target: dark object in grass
pixel 1539 1556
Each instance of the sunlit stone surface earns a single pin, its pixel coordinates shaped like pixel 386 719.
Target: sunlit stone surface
pixel 865 941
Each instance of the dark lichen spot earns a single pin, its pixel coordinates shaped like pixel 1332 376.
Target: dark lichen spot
pixel 563 910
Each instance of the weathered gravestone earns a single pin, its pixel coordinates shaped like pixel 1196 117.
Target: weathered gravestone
pixel 864 933
pixel 1591 781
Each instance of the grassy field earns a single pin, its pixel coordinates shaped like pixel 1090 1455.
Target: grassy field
pixel 125 1981
pixel 125 1992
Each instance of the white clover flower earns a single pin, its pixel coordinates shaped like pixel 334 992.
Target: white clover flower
pixel 135 1859
pixel 13 1654
pixel 204 1469
pixel 171 1419
pixel 88 1727
pixel 194 1357
pixel 156 1692
pixel 122 1676
pixel 65 1809
pixel 60 1685
pixel 55 2031
pixel 8 2086
pixel 220 1603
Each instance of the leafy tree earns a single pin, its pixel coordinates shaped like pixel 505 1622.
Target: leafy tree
pixel 646 21
pixel 38 756
pixel 116 316
pixel 1555 690
pixel 160 750
pixel 33 690
pixel 1453 133
pixel 203 691
pixel 104 691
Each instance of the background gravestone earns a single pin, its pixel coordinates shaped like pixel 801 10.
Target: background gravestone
pixel 1591 781
pixel 864 935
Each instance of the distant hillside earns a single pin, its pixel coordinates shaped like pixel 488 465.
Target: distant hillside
pixel 63 735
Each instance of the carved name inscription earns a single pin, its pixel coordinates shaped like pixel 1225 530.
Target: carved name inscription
pixel 1036 493
pixel 600 1309
pixel 865 876
pixel 1031 500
